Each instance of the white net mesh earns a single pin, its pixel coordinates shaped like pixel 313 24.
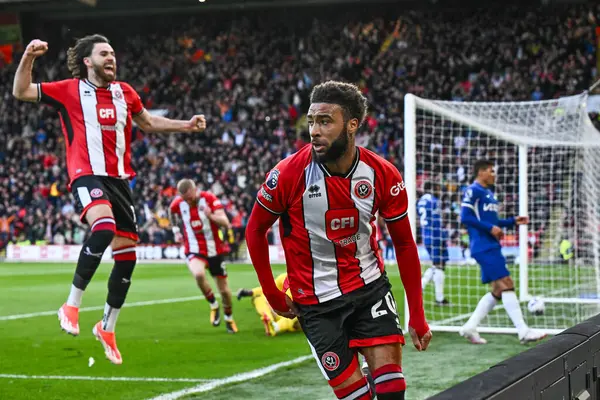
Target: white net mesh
pixel 563 188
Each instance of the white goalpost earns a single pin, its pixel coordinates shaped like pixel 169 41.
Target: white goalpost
pixel 547 158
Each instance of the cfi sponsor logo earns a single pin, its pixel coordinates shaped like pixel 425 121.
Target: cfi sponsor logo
pixel 341 223
pixel 397 188
pixel 330 361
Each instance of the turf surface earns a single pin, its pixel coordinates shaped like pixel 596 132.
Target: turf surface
pixel 173 340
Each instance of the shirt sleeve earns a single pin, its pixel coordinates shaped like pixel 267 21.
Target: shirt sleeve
pixel 469 215
pixel 53 93
pixel 271 195
pixel 508 222
pixel 410 272
pixel 470 199
pixel 394 201
pixel 134 102
pixel 174 207
pixel 213 201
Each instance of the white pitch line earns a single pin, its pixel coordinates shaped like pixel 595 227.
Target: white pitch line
pixel 459 317
pixel 501 306
pixel 257 373
pixel 103 378
pixel 97 308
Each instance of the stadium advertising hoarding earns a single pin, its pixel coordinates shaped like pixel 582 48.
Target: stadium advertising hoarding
pixel 31 253
pixel 71 253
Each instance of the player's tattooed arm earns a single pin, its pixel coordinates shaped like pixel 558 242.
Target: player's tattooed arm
pixel 155 123
pixel 174 219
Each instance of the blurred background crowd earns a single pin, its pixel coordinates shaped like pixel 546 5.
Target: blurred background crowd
pixel 251 74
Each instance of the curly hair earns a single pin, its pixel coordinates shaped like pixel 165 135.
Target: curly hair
pixel 83 48
pixel 346 95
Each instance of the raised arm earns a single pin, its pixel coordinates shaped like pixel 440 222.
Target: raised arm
pixel 154 123
pixel 23 87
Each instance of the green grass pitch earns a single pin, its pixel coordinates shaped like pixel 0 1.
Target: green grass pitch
pixel 165 335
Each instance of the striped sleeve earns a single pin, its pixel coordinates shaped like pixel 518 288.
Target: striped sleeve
pixel 271 194
pixel 394 201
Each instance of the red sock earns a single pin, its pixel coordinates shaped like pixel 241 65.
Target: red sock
pixel 359 390
pixel 389 379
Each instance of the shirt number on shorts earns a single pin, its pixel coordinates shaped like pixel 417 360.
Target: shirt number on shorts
pixel 391 305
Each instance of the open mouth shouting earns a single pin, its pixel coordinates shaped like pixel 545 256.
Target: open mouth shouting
pixel 110 69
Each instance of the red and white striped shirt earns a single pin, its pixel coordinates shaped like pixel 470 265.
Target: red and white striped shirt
pixel 96 123
pixel 200 235
pixel 327 222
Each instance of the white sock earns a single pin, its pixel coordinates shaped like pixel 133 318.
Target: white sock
pixel 438 280
pixel 513 308
pixel 110 318
pixel 214 305
pixel 427 277
pixel 485 305
pixel 75 296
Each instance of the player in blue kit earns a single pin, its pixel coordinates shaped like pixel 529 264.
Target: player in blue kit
pixel 479 212
pixel 435 239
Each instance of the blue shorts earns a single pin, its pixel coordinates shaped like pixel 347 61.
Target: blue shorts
pixel 438 252
pixel 493 265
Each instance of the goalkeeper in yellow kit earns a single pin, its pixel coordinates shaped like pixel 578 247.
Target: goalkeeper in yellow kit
pixel 274 323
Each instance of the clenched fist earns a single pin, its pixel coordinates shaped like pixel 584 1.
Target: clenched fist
pixel 36 48
pixel 196 124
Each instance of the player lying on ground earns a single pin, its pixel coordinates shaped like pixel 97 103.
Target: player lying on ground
pixel 479 213
pixel 201 215
pixel 435 239
pixel 326 196
pixel 96 113
pixel 274 323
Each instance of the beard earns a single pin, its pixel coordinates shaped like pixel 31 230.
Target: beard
pixel 336 150
pixel 99 71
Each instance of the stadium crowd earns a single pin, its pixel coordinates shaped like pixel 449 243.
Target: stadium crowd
pixel 251 75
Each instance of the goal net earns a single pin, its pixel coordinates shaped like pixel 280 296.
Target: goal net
pixel 547 158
